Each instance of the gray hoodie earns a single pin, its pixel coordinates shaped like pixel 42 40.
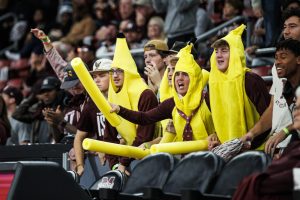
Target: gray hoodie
pixel 180 15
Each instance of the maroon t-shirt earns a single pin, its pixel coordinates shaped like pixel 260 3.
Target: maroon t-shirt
pixel 73 111
pixel 92 121
pixel 144 133
pixel 257 92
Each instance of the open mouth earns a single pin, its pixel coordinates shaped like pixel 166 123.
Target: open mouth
pixel 220 62
pixel 180 85
pixel 279 69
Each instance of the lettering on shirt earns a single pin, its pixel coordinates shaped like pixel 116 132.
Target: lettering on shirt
pixel 280 104
pixel 100 124
pixel 72 118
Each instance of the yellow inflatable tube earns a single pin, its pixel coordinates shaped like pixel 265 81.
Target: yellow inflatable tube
pixel 180 147
pixel 94 92
pixel 114 149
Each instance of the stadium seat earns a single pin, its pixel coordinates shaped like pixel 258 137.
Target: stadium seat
pixel 37 180
pixel 109 185
pixel 195 172
pixel 152 171
pixel 233 172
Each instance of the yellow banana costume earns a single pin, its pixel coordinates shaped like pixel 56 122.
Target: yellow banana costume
pixel 165 93
pixel 131 91
pixel 201 121
pixel 232 111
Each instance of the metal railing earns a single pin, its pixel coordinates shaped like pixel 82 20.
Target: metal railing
pixel 215 30
pixel 3 18
pixel 132 51
pixel 202 37
pixel 265 51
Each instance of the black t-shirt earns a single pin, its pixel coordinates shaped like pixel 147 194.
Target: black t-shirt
pixel 92 121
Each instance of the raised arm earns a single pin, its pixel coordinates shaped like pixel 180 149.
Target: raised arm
pixel 56 61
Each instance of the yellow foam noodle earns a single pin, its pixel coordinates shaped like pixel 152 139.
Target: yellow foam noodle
pixel 180 147
pixel 94 92
pixel 114 149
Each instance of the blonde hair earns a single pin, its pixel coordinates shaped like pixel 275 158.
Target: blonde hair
pixel 156 20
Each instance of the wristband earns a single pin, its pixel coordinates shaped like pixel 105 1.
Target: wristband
pixel 46 40
pixel 115 166
pixel 286 131
pixel 147 145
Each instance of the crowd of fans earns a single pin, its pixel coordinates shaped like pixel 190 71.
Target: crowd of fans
pixel 43 101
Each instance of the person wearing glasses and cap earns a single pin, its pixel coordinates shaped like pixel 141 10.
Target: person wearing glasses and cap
pixel 128 89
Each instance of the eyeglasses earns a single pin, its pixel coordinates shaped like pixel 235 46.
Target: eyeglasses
pixel 117 71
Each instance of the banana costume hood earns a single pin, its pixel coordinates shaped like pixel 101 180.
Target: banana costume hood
pixel 192 104
pixel 133 86
pixel 232 111
pixel 165 92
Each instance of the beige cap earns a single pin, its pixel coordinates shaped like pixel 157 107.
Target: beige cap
pixel 156 45
pixel 102 65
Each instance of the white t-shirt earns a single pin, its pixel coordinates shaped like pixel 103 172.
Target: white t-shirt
pixel 282 115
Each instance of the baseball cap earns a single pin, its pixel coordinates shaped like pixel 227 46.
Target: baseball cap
pixel 13 92
pixel 50 83
pixel 131 27
pixel 101 65
pixel 70 78
pixel 179 45
pixel 65 9
pixel 142 3
pixel 156 45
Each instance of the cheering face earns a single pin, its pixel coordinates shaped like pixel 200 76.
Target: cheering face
pixel 117 75
pixel 286 63
pixel 182 82
pixel 171 70
pixel 222 56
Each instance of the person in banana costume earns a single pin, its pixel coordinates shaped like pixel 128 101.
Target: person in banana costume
pixel 187 105
pixel 128 89
pixel 237 96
